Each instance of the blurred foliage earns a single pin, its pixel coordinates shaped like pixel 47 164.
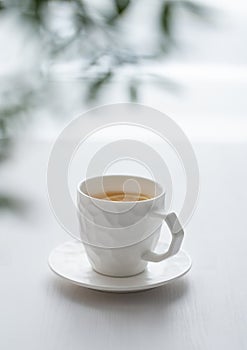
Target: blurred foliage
pixel 67 30
pixel 11 203
pixel 95 35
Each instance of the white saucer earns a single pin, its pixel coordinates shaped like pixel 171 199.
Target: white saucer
pixel 69 261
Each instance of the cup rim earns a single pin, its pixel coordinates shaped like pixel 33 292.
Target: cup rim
pixel 100 200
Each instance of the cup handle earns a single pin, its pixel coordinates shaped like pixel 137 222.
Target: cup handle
pixel 177 233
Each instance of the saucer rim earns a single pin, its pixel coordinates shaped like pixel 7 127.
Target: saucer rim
pixel 116 289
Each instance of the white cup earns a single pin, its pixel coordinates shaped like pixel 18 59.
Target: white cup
pixel 119 236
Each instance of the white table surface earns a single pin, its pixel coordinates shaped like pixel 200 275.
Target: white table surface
pixel 204 310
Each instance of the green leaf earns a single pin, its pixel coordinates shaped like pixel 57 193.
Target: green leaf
pixel 11 204
pixel 121 5
pixel 166 17
pixel 82 15
pixel 95 87
pixel 133 91
pixel 2 7
pixel 84 19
